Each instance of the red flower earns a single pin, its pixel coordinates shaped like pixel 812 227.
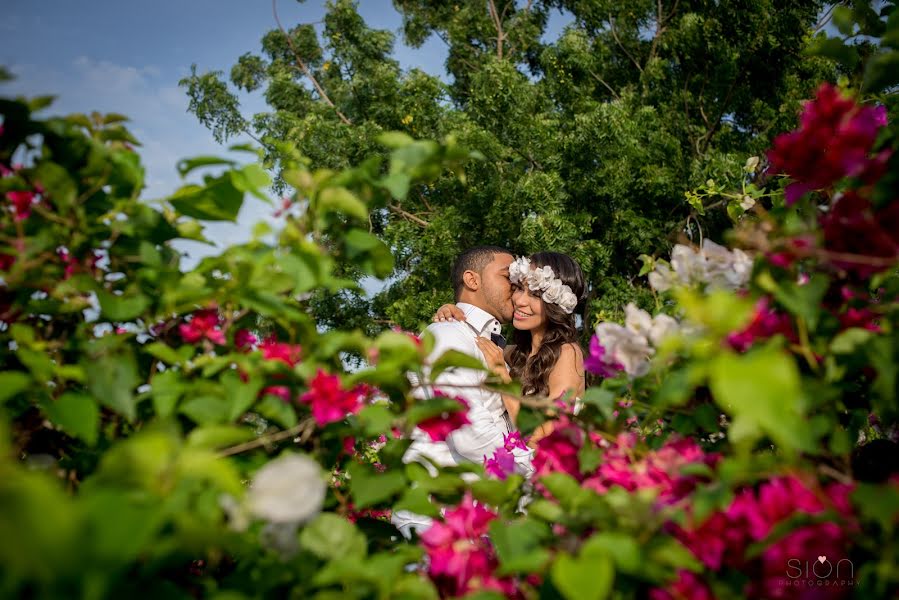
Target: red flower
pixel 440 426
pixel 272 349
pixel 854 226
pixel 329 401
pixel 461 558
pixel 6 261
pixel 766 323
pixel 21 203
pixel 833 141
pixel 244 339
pixel 687 586
pixel 204 324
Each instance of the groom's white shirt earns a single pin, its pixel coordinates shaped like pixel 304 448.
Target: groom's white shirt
pixel 485 408
pixel 489 420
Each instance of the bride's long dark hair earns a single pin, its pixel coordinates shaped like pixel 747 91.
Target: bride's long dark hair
pixel 533 371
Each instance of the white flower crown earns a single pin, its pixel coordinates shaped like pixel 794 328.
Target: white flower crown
pixel 543 279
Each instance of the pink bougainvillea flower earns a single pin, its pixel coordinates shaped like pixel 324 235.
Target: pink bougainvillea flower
pixel 440 426
pixel 245 340
pixel 599 362
pixel 280 391
pixel 461 558
pixel 558 452
pixel 687 586
pixel 765 323
pixel 329 401
pixel 289 354
pixel 21 203
pixel 203 324
pixel 834 140
pixel 855 231
pixel 501 465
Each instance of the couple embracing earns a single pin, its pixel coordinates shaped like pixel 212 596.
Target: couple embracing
pixel 538 295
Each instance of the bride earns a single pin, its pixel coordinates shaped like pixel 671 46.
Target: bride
pixel 544 356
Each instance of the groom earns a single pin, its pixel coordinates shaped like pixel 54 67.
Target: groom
pixel 483 292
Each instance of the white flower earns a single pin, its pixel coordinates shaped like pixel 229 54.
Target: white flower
pixel 519 269
pixel 662 278
pixel 687 264
pixel 553 292
pixel 637 320
pixel 725 269
pixel 747 202
pixel 630 350
pixel 289 489
pixel 662 327
pixel 568 302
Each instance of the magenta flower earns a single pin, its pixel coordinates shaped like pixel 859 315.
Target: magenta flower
pixel 21 204
pixel 272 349
pixel 461 557
pixel 766 323
pixel 501 465
pixel 329 401
pixel 203 324
pixel 687 586
pixel 599 362
pixel 834 140
pixel 245 340
pixel 440 426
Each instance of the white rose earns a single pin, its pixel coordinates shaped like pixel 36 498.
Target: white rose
pixel 289 489
pixel 568 301
pixel 541 277
pixel 553 291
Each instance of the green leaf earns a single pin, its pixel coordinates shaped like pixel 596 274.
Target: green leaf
pixel 453 359
pixel 762 391
pixel 623 548
pixel 418 501
pixel 212 437
pixel 369 253
pixel 77 414
pixel 57 182
pixel 122 308
pixel 836 49
pixel 275 409
pixel 204 410
pixel 218 200
pixel 563 486
pixel 369 488
pixel 111 379
pixel 187 165
pixel 12 383
pixel 343 201
pixel 849 340
pixel 375 419
pixel 518 545
pixel 241 394
pixel 331 537
pixel 395 139
pixel 803 300
pixel 397 184
pixel 166 388
pixel 588 577
pixel 881 73
pixel 432 407
pixel 251 179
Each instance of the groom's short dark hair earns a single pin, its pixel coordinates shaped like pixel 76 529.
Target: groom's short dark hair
pixel 473 259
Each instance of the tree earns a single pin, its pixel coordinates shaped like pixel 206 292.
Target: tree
pixel 589 139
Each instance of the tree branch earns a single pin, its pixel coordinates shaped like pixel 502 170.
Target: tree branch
pixel 305 69
pixel 498 23
pixel 407 215
pixel 618 41
pixel 603 81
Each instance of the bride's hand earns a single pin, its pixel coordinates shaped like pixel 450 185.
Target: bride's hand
pixel 493 355
pixel 449 312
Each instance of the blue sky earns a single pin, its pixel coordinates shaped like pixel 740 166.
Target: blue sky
pixel 127 57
